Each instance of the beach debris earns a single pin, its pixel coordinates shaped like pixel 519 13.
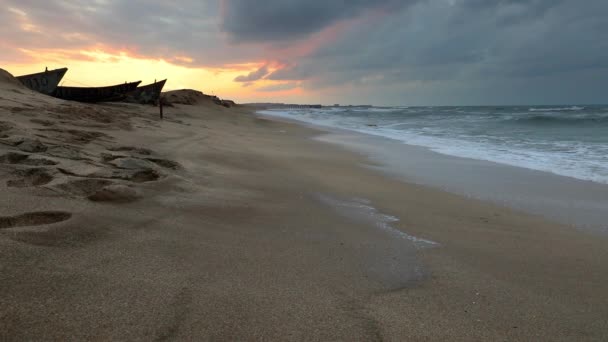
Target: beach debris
pixel 43 82
pixel 115 92
pixel 147 94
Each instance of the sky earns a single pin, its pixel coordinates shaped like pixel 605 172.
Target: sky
pixel 381 52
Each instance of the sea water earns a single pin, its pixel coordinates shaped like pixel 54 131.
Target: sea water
pixel 570 141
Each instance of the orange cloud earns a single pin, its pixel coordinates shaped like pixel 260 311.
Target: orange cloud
pixel 102 66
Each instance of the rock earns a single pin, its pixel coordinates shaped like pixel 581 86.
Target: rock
pixel 32 146
pixel 132 163
pixel 115 193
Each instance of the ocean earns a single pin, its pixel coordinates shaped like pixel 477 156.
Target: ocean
pixel 569 141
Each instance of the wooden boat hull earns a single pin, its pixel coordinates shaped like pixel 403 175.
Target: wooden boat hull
pixel 148 94
pixel 43 82
pixel 96 94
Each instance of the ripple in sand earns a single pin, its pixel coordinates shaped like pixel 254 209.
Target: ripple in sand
pixel 34 219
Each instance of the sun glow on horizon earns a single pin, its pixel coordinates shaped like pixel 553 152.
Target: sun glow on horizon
pixel 102 66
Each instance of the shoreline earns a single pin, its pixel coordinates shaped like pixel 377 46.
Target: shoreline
pixel 446 148
pixel 263 233
pixel 566 200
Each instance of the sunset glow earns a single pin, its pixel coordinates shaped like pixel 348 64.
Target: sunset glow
pixel 97 67
pixel 369 52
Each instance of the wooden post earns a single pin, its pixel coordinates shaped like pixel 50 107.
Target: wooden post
pixel 160 105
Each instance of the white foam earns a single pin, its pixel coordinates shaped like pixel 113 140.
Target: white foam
pixel 361 209
pixel 566 159
pixel 556 109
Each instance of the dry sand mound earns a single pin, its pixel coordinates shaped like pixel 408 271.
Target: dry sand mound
pixel 185 96
pixel 194 97
pixel 7 80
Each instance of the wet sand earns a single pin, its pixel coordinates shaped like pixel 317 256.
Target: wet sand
pixel 251 230
pixel 577 203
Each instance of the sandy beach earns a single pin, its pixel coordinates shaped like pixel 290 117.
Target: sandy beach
pixel 217 224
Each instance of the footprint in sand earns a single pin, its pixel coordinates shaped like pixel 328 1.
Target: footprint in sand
pixel 139 150
pixel 169 164
pixel 74 136
pixel 34 219
pixel 39 229
pixel 84 187
pixel 42 122
pixel 136 176
pixel 24 159
pixel 6 126
pixel 30 177
pixel 101 190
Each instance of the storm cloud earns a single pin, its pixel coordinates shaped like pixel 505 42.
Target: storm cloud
pixel 254 75
pixel 375 51
pixel 272 20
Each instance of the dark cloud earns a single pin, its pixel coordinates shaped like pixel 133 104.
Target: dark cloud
pixel 156 28
pixel 253 76
pixel 290 72
pixel 437 45
pixel 388 51
pixel 271 20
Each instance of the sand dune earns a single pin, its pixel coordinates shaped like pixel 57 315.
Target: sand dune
pixel 68 147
